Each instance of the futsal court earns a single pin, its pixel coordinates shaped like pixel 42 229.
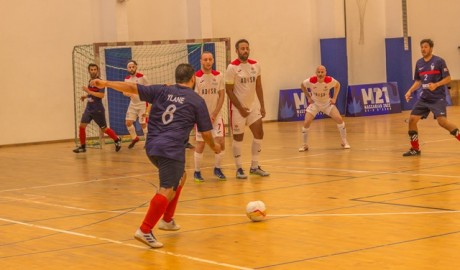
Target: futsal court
pixel 328 208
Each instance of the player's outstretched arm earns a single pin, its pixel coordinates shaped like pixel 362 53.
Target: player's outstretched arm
pixel 124 87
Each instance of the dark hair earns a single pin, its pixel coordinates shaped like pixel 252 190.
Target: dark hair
pixel 427 40
pixel 184 73
pixel 207 52
pixel 93 65
pixel 131 60
pixel 240 41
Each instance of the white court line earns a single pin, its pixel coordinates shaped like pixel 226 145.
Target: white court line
pixel 125 244
pixel 131 176
pixel 75 183
pixel 243 215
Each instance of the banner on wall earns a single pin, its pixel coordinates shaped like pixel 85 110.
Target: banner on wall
pixel 373 99
pixel 292 105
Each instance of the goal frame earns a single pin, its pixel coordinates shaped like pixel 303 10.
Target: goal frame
pixel 98 140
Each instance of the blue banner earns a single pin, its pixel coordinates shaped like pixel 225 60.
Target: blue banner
pixel 292 106
pixel 373 99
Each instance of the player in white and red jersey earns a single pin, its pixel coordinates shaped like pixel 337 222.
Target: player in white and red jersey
pixel 243 83
pixel 137 108
pixel 210 86
pixel 316 89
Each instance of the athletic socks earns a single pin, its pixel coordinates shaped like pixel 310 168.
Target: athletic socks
pixel 171 208
pixel 304 135
pixel 343 131
pixel 236 147
pixel 111 134
pixel 82 136
pixel 455 133
pixel 157 208
pixel 198 157
pixel 256 147
pixel 132 131
pixel 413 135
pixel 218 159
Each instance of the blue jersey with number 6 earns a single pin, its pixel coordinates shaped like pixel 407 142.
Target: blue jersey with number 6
pixel 175 110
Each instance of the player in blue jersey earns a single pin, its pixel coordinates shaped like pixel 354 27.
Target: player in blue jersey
pixel 175 111
pixel 94 111
pixel 432 75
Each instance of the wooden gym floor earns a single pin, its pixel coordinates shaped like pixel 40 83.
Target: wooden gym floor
pixel 328 208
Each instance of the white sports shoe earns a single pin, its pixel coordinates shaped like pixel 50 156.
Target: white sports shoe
pixel 168 226
pixel 303 148
pixel 258 171
pixel 346 145
pixel 147 238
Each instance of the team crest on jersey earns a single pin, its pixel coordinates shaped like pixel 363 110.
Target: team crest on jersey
pixel 432 66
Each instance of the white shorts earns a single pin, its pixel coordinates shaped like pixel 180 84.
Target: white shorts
pixel 315 108
pixel 217 130
pixel 239 122
pixel 135 112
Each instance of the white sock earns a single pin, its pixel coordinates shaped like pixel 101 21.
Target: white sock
pixel 343 132
pixel 304 135
pixel 219 158
pixel 255 150
pixel 236 147
pixel 132 132
pixel 145 132
pixel 198 158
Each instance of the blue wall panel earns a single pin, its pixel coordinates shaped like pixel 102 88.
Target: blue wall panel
pixel 334 58
pixel 118 103
pixel 399 68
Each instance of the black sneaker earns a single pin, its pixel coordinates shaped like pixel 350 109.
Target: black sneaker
pixel 133 142
pixel 412 152
pixel 118 144
pixel 79 150
pixel 189 146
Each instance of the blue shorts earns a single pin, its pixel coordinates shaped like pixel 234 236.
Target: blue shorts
pixel 170 170
pixel 97 116
pixel 423 108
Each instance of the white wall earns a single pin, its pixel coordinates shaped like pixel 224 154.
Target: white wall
pixel 37 42
pixel 439 21
pixel 37 38
pixel 283 37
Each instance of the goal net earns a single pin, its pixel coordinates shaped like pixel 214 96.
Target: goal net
pixel 157 60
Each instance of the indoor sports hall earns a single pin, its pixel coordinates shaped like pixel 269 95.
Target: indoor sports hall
pixel 367 207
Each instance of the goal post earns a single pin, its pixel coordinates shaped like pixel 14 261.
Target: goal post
pixel 157 60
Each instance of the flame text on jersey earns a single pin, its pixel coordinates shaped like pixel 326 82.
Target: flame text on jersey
pixel 209 91
pixel 248 79
pixel 176 99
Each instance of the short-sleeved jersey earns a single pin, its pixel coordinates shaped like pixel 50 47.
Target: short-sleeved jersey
pixel 174 113
pixel 320 90
pixel 243 76
pixel 431 71
pixel 138 78
pixel 208 87
pixel 94 103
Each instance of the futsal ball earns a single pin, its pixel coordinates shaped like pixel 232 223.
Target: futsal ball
pixel 256 211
